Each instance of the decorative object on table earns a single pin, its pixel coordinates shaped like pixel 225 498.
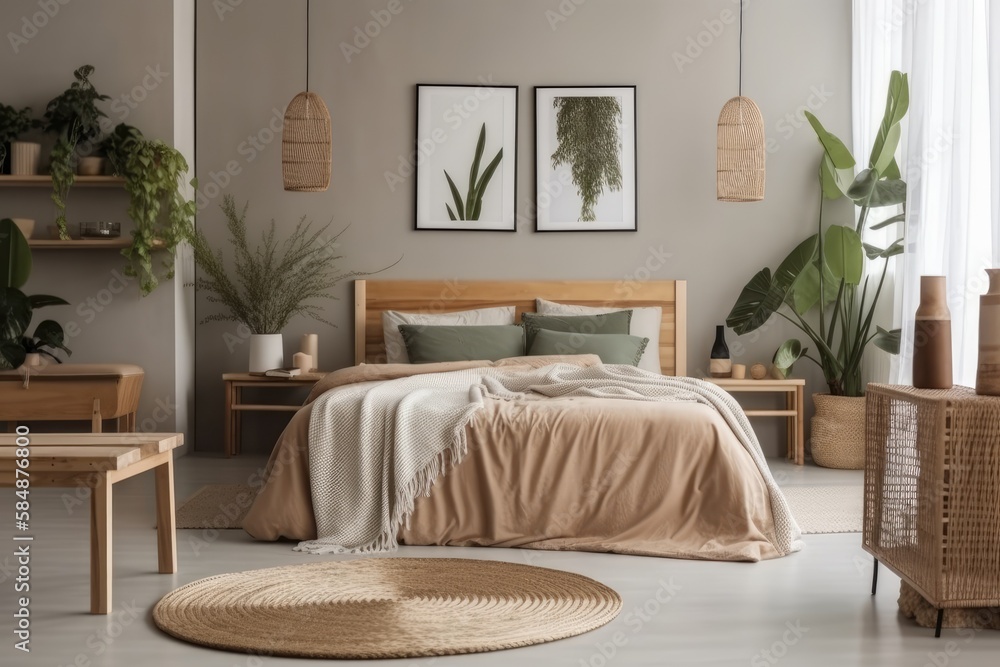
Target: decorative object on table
pixel 988 377
pixel 931 495
pixel 758 371
pixel 739 372
pixel 17 309
pixel 932 364
pixel 465 130
pixel 90 166
pixel 285 373
pixel 269 285
pixel 721 364
pixel 25 158
pixel 26 225
pixel 100 230
pixel 154 176
pixel 740 153
pixel 74 118
pixel 824 272
pixel 585 158
pixel 310 346
pixel 838 432
pixel 14 124
pixel 306 138
pixel 381 606
pixel 785 357
pixel 302 361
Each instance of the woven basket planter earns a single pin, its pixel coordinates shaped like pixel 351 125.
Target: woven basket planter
pixel 838 432
pixel 306 138
pixel 741 154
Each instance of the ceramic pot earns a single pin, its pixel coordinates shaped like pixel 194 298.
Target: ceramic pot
pixel 721 364
pixel 838 432
pixel 266 352
pixel 932 368
pixel 26 225
pixel 25 158
pixel 90 166
pixel 988 378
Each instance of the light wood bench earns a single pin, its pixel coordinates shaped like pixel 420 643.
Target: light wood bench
pixel 98 461
pixel 72 392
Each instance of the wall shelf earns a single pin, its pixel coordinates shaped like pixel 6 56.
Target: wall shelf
pixel 7 181
pixel 86 244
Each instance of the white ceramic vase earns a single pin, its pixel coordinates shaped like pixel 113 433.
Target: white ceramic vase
pixel 266 352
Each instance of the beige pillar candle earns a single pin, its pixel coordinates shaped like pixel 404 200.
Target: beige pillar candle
pixel 739 371
pixel 302 361
pixel 310 346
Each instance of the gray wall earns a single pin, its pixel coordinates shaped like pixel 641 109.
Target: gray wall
pixel 251 62
pixel 125 41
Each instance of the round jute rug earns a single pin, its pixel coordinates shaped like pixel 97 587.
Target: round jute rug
pixel 386 608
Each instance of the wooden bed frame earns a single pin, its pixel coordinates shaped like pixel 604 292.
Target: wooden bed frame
pixel 371 297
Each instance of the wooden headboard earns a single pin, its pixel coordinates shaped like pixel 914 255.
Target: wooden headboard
pixel 371 297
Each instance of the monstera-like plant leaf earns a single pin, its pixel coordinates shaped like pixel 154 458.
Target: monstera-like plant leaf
pixel 15 255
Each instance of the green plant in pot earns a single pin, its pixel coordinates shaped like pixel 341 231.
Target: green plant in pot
pixel 822 288
pixel 14 124
pixel 74 118
pixel 268 284
pixel 154 176
pixel 17 309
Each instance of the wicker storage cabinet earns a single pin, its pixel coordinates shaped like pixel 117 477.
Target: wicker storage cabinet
pixel 932 491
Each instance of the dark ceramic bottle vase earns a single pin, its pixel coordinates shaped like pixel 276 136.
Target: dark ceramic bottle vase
pixel 720 365
pixel 932 365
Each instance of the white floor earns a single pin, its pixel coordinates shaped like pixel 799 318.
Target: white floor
pixel 811 608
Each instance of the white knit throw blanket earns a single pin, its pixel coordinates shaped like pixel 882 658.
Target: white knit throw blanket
pixel 375 447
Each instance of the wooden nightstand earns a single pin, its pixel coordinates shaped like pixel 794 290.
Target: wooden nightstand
pixel 235 382
pixel 794 391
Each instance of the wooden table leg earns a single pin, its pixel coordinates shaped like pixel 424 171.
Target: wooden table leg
pixel 230 433
pixel 95 418
pixel 789 427
pixel 800 436
pixel 100 545
pixel 237 420
pixel 166 527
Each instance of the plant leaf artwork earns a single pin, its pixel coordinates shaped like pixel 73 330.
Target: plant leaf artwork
pixel 588 131
pixel 471 208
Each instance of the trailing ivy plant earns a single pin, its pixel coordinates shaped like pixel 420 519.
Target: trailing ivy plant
pixel 74 117
pixel 154 175
pixel 472 207
pixel 589 136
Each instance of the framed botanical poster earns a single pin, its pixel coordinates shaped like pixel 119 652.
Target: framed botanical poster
pixel 466 157
pixel 585 158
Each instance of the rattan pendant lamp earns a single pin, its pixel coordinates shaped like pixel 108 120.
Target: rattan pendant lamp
pixel 306 138
pixel 740 173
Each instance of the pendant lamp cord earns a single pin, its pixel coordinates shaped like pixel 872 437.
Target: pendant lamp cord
pixel 309 3
pixel 741 47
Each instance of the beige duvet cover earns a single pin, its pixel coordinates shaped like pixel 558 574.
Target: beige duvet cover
pixel 588 474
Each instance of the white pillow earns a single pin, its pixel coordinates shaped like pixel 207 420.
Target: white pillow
pixel 645 323
pixel 395 348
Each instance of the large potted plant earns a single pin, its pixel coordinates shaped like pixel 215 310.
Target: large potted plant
pixel 14 124
pixel 822 286
pixel 154 176
pixel 268 286
pixel 17 346
pixel 74 118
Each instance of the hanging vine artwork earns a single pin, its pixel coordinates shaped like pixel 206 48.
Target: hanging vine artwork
pixel 589 133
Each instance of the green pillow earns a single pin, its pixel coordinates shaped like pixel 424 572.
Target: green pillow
pixel 605 323
pixel 428 344
pixel 611 348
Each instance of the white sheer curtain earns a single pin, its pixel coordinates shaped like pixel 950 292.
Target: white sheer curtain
pixel 950 153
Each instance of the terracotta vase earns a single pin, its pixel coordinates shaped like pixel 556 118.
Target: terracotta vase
pixel 988 379
pixel 721 364
pixel 932 367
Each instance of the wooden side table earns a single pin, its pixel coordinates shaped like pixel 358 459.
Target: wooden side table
pixel 99 461
pixel 793 391
pixel 932 497
pixel 236 382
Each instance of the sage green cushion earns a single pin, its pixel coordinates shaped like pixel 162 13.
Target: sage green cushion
pixel 606 323
pixel 429 344
pixel 611 348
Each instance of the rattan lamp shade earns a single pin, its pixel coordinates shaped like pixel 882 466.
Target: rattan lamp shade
pixel 306 138
pixel 740 174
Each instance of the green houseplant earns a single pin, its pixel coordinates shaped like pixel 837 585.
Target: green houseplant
pixel 472 207
pixel 154 176
pixel 74 118
pixel 587 129
pixel 14 123
pixel 821 287
pixel 17 309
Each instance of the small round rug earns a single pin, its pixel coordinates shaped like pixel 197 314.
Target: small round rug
pixel 386 608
